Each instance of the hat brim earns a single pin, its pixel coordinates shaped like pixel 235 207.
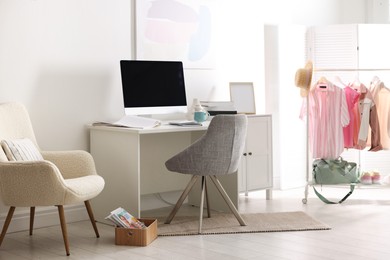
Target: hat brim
pixel 304 78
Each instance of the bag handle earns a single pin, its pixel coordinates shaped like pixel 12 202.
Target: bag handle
pixel 351 186
pixel 339 162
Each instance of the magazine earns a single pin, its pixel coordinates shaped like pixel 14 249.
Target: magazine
pixel 121 218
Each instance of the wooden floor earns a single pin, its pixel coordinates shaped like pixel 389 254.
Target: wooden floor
pixel 360 230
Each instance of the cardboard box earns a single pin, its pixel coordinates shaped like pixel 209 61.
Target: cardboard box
pixel 137 237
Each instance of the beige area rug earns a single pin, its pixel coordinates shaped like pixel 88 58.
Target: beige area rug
pixel 228 224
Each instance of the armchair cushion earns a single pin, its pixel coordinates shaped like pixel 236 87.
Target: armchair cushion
pixel 21 150
pixel 73 163
pixel 83 188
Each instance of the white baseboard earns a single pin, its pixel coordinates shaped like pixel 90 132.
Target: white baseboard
pixel 44 217
pixel 276 183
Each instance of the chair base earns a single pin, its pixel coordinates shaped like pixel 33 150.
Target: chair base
pixel 221 190
pixel 61 214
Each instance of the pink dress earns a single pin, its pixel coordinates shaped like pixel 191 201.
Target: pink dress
pixel 352 97
pixel 328 114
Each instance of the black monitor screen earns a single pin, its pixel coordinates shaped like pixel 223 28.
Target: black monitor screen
pixel 152 83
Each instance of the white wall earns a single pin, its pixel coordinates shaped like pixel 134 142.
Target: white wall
pixel 60 58
pixel 285 49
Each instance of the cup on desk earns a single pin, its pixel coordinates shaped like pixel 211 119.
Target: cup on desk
pixel 201 116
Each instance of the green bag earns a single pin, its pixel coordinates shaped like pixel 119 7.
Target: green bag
pixel 330 172
pixel 334 171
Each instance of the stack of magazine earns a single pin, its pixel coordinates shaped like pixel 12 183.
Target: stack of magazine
pixel 121 218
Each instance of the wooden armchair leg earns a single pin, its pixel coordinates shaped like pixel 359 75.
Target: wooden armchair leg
pixel 32 215
pixel 6 223
pixel 91 217
pixel 63 227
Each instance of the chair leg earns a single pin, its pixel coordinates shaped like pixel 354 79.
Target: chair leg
pixel 181 199
pixel 63 228
pixel 6 223
pixel 32 215
pixel 227 200
pixel 91 217
pixel 207 199
pixel 203 184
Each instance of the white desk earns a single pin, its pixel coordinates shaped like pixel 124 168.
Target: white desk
pixel 132 162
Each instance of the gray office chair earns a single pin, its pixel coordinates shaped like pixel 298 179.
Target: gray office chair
pixel 218 152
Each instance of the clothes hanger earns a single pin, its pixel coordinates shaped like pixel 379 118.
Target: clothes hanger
pixel 382 85
pixel 322 83
pixel 375 79
pixel 356 83
pixel 338 79
pixel 322 80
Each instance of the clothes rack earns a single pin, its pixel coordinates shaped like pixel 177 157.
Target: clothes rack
pixel 308 159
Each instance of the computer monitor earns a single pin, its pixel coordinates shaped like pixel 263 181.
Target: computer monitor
pixel 153 87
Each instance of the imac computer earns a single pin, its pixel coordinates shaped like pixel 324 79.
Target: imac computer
pixel 153 87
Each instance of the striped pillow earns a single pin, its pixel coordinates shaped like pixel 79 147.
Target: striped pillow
pixel 21 150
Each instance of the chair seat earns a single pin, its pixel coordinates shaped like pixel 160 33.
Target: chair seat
pixel 83 188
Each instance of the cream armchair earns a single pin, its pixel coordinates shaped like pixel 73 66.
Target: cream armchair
pixel 59 178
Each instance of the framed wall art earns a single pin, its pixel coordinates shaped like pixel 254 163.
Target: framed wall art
pixel 175 30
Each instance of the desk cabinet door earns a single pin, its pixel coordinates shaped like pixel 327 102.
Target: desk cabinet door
pixel 255 171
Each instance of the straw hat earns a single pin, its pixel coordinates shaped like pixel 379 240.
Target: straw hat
pixel 303 78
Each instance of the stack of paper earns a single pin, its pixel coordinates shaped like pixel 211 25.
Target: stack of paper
pixel 219 107
pixel 132 122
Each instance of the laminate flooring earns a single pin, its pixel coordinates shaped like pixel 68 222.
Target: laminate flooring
pixel 360 230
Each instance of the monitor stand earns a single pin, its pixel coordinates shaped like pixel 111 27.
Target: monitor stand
pixel 167 117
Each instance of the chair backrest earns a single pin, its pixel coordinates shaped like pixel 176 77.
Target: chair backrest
pixel 15 123
pixel 218 152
